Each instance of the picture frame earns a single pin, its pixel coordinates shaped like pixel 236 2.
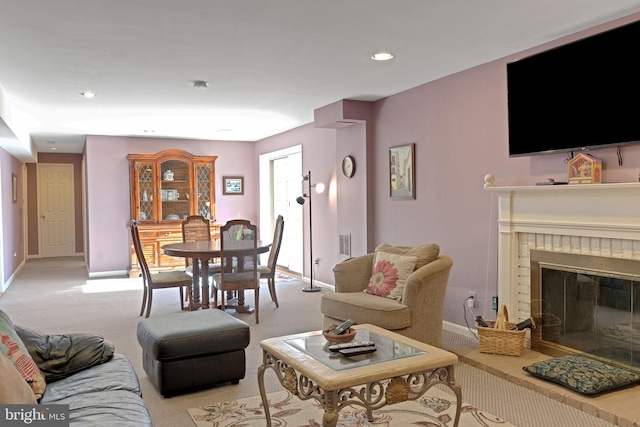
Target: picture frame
pixel 14 187
pixel 233 185
pixel 402 166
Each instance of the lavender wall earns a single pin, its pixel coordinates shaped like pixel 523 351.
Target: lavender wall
pixel 459 125
pixel 12 226
pixel 108 198
pixel 319 157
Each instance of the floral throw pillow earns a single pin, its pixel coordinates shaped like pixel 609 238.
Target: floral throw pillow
pixel 390 272
pixel 14 349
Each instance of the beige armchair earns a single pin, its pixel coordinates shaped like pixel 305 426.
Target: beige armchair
pixel 418 315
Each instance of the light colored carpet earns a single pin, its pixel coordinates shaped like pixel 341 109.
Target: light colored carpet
pixel 434 409
pixel 55 295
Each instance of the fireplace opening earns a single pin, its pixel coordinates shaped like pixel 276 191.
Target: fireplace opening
pixel 585 304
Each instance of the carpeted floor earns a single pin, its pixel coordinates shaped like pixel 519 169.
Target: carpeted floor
pixel 55 295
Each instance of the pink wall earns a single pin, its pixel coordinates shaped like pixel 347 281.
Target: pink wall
pixel 12 226
pixel 459 125
pixel 319 157
pixel 108 198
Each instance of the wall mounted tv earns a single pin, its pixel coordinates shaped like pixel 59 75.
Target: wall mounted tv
pixel 581 95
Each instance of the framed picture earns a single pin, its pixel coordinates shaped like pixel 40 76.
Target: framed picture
pixel 402 165
pixel 14 187
pixel 233 185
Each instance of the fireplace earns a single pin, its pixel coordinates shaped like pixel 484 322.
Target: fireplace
pixel 586 304
pixel 585 239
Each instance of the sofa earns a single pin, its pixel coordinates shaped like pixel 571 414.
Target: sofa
pixel 80 370
pixel 398 288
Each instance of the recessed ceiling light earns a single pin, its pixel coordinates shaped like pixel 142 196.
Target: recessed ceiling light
pixel 200 84
pixel 382 56
pixel 88 94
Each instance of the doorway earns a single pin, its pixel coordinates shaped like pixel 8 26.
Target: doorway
pixel 56 210
pixel 280 184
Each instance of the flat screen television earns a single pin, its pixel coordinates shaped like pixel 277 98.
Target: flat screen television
pixel 581 95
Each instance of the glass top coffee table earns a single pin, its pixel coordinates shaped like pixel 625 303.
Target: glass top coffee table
pixel 400 369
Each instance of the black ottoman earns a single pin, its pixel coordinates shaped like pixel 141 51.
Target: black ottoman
pixel 192 350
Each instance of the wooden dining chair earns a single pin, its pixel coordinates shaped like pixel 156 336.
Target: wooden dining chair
pixel 269 271
pixel 161 280
pixel 239 279
pixel 197 228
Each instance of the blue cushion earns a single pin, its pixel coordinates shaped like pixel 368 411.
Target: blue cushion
pixel 583 374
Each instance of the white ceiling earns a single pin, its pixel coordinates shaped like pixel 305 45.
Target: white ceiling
pixel 269 63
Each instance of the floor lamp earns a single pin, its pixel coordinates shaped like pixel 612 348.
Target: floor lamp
pixel 301 200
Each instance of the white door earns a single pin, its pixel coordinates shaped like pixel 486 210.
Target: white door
pixel 280 184
pixel 286 187
pixel 57 229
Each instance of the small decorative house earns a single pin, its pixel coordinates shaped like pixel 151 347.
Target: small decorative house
pixel 585 169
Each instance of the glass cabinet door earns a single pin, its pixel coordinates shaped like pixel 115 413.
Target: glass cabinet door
pixel 174 190
pixel 204 191
pixel 146 190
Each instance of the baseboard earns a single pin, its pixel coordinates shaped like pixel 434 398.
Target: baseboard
pixel 4 286
pixel 459 329
pixel 318 283
pixel 115 273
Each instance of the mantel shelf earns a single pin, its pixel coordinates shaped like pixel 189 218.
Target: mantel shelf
pixel 568 187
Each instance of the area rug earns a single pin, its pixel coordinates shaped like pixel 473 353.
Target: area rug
pixel 434 409
pixel 284 277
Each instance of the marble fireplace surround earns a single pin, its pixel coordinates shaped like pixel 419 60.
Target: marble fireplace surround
pixel 595 219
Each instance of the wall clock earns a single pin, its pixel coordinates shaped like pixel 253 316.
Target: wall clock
pixel 348 166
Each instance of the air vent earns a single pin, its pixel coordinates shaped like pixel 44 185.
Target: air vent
pixel 345 244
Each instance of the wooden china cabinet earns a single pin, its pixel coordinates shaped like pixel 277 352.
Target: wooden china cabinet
pixel 166 187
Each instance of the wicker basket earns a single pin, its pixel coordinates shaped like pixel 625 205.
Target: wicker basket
pixel 496 340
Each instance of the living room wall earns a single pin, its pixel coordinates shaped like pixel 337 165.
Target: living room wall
pixel 12 237
pixel 459 125
pixel 108 194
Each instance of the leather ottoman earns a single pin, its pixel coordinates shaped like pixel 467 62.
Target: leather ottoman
pixel 192 350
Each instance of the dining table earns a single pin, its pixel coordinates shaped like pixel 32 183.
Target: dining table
pixel 201 252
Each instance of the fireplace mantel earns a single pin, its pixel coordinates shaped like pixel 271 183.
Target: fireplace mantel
pixel 579 212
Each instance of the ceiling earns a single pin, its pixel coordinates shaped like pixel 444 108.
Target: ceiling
pixel 268 64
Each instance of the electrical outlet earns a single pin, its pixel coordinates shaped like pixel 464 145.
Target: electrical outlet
pixel 471 299
pixel 317 261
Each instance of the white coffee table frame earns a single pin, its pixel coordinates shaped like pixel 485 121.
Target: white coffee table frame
pixel 372 386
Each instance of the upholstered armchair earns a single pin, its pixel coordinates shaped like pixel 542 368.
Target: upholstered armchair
pixel 415 311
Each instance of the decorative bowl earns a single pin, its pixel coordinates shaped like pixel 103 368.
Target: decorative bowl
pixel 346 337
pixel 172 216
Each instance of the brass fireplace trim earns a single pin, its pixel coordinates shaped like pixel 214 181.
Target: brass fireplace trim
pixel 627 269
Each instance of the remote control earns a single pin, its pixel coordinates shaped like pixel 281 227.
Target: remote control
pixel 357 351
pixel 340 329
pixel 352 344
